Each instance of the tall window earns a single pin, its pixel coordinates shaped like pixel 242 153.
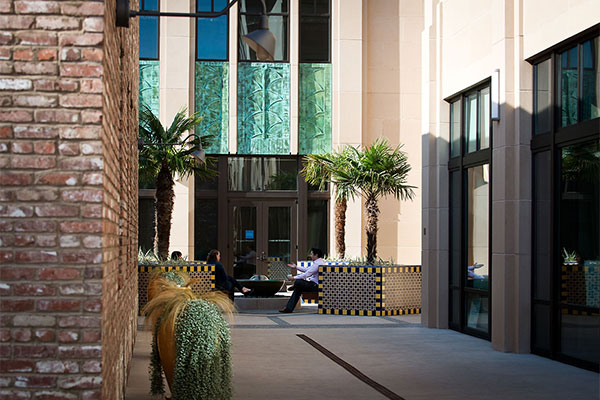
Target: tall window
pixel 315 31
pixel 250 12
pixel 470 261
pixel 212 33
pixel 566 203
pixel 149 31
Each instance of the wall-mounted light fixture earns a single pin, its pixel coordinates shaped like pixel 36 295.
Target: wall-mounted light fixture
pixel 198 154
pixel 495 95
pixel 262 40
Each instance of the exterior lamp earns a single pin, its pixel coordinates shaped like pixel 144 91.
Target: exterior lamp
pixel 262 41
pixel 198 154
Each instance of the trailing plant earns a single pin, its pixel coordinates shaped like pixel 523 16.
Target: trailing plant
pixel 195 327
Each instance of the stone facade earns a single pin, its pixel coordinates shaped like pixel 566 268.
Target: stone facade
pixel 68 210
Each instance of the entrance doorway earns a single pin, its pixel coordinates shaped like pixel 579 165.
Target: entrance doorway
pixel 261 231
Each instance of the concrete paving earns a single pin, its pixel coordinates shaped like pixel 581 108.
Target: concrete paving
pixel 385 358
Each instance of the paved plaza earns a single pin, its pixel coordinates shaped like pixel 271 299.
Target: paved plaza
pixel 305 355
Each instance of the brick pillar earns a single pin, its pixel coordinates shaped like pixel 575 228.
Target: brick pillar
pixel 68 200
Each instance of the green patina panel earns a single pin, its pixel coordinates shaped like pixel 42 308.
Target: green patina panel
pixel 212 101
pixel 314 108
pixel 149 81
pixel 263 108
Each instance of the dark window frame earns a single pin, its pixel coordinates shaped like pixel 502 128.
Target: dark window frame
pixel 212 9
pixel 329 37
pixel 143 7
pixel 285 15
pixel 554 141
pixel 461 164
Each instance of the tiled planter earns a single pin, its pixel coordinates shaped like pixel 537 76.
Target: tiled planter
pixel 367 290
pixel 195 269
pixel 307 264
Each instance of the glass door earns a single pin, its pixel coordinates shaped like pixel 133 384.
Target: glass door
pixel 262 237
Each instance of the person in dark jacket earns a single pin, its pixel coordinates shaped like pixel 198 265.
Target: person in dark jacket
pixel 223 281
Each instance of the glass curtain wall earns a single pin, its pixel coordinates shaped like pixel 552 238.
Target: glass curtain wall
pixel 566 206
pixel 149 64
pixel 470 262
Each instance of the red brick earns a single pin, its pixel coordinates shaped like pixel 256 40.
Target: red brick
pixel 37 195
pixel 59 274
pixel 79 39
pixel 68 336
pixel 16 116
pixel 34 351
pixel 36 68
pixel 7 240
pixel 23 55
pixel 87 195
pixel 16 211
pixel 35 101
pixel 5 101
pixel 4 335
pixel 61 85
pixel 35 256
pixel 46 54
pixel 91 336
pixel 81 227
pixel 32 38
pixel 22 147
pixel 5 351
pixel 8 22
pixel 91 395
pixel 6 131
pixel 80 382
pixel 81 70
pixel 33 162
pixel 24 240
pixel 16 305
pixel 70 54
pixel 46 240
pixel 86 132
pixel 71 351
pixel 80 163
pixel 57 23
pixel 12 179
pixel 5 54
pixel 58 178
pixel 44 148
pixel 79 322
pixel 16 366
pixel 37 132
pixel 68 149
pixel 56 367
pixel 80 100
pixel 5 37
pixel 17 274
pixel 30 289
pixel 91 148
pixel 5 6
pixel 36 7
pixel 55 395
pixel 92 366
pixel 92 273
pixel 35 381
pixel 93 25
pixel 85 8
pixel 57 211
pixel 60 116
pixel 14 394
pixel 59 305
pixel 6 195
pixel 91 86
pixel 92 54
pixel 90 117
pixel 81 257
pixel 45 335
pixel 91 211
pixel 92 242
pixel 21 334
pixel 6 256
pixel 92 306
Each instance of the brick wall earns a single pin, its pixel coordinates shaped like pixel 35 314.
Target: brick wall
pixel 68 205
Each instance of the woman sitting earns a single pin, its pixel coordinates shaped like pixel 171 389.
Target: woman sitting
pixel 223 281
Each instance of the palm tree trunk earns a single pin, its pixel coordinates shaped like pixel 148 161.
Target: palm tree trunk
pixel 340 228
pixel 372 215
pixel 164 209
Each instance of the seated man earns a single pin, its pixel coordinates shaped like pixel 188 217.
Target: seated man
pixel 307 281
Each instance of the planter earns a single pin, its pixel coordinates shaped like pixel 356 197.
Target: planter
pixel 195 269
pixel 370 290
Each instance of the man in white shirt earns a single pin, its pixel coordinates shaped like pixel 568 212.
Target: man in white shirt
pixel 307 280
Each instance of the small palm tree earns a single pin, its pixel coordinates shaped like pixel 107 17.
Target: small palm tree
pixel 159 162
pixel 320 169
pixel 378 171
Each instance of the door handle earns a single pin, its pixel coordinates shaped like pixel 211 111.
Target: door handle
pixel 263 257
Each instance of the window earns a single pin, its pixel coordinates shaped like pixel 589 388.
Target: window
pixel 470 223
pixel 250 12
pixel 212 33
pixel 149 31
pixel 315 31
pixel 262 173
pixel 566 202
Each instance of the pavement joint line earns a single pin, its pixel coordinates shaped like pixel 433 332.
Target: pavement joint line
pixel 348 367
pixel 337 326
pixel 279 321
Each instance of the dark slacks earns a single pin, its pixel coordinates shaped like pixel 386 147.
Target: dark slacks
pixel 300 286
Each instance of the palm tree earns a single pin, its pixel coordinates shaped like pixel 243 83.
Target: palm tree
pixel 378 171
pixel 319 169
pixel 159 162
